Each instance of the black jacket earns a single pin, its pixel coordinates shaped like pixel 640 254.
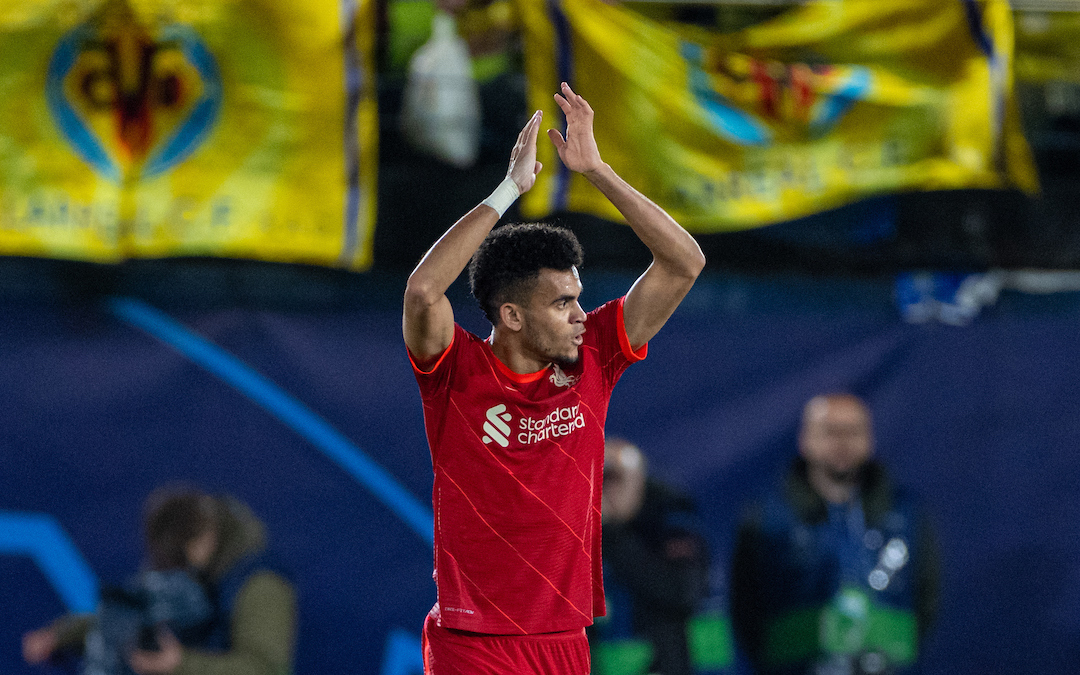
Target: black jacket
pixel 661 560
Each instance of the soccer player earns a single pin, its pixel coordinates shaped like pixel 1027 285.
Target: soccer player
pixel 515 423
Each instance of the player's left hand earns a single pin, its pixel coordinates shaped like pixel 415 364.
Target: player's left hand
pixel 578 150
pixel 165 661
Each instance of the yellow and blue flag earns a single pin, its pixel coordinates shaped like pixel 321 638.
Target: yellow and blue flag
pixel 150 128
pixel 827 103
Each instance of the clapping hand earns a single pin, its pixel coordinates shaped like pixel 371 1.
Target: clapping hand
pixel 578 150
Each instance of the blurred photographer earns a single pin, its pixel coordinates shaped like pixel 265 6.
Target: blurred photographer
pixel 211 601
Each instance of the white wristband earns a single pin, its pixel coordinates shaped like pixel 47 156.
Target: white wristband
pixel 504 195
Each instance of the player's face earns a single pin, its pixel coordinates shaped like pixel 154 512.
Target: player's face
pixel 836 436
pixel 553 320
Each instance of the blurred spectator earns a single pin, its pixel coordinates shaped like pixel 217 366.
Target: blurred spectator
pixel 656 569
pixel 836 572
pixel 212 601
pixel 490 27
pixel 491 31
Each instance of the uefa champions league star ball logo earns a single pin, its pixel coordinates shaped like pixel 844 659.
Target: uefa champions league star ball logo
pixel 133 100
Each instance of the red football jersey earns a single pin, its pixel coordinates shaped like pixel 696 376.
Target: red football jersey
pixel 518 463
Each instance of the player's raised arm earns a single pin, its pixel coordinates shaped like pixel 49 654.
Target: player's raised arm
pixel 427 318
pixel 677 258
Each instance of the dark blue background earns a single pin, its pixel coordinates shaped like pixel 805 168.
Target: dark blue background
pixel 980 420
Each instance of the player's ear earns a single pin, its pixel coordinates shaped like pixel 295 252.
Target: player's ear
pixel 511 316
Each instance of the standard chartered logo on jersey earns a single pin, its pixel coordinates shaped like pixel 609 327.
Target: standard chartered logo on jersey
pixel 496 426
pixel 559 422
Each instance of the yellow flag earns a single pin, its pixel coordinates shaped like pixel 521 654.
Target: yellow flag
pixel 1048 46
pixel 829 102
pixel 146 128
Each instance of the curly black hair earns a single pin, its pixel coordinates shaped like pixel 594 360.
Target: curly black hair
pixel 508 262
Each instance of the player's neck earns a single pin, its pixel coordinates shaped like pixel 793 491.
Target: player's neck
pixel 508 349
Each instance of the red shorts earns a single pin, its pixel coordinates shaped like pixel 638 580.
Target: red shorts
pixel 454 652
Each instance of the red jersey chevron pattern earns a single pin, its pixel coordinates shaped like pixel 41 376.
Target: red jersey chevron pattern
pixel 518 467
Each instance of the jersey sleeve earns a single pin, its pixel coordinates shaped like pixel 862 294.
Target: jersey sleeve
pixel 608 336
pixel 438 374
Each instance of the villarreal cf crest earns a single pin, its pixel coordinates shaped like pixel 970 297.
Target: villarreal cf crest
pixel 133 97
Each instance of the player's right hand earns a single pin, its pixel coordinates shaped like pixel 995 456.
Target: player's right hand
pixel 523 165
